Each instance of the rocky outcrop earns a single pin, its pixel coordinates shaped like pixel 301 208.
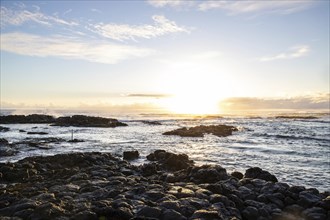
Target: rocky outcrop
pixel 131 155
pixel 295 117
pixel 87 121
pixel 199 131
pixel 75 120
pixel 28 119
pixel 100 186
pixel 4 129
pixel 170 161
pixel 6 149
pixel 151 122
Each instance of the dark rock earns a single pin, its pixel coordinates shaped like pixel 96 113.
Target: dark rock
pixel 295 117
pixel 85 215
pixel 237 175
pixel 169 204
pixel 170 161
pixel 6 149
pixel 250 213
pixel 205 214
pixel 75 141
pixel 36 132
pixel 29 119
pixel 258 173
pixel 314 213
pixel 148 211
pixel 208 174
pixel 172 214
pixel 87 121
pixel 151 122
pixel 4 129
pixel 199 131
pixel 131 155
pixel 22 131
pixel 308 199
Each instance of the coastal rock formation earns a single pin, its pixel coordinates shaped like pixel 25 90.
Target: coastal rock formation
pixel 100 186
pixel 6 149
pixel 151 122
pixel 295 117
pixel 75 120
pixel 29 119
pixel 4 129
pixel 87 121
pixel 199 131
pixel 131 155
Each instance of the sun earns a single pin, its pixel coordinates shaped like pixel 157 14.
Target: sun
pixel 194 90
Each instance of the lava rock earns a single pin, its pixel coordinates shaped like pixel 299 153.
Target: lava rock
pixel 131 155
pixel 29 119
pixel 87 121
pixel 199 131
pixel 258 173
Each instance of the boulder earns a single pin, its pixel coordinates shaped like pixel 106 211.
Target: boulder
pixel 199 131
pixel 131 155
pixel 170 161
pixel 258 173
pixel 4 129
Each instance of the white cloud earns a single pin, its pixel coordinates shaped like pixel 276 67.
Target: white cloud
pixel 171 3
pixel 236 7
pixel 294 52
pixel 21 16
pixel 72 48
pixel 161 26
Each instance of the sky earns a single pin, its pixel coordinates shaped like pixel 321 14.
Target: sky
pixel 177 56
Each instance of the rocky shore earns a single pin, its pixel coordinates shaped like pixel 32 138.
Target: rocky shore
pixel 75 121
pixel 101 186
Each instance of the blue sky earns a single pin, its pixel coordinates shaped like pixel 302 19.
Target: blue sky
pixel 167 54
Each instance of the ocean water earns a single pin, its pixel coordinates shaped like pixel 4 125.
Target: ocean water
pixel 297 151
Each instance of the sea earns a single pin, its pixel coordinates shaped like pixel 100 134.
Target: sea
pixel 295 150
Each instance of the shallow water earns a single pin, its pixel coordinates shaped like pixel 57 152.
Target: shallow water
pixel 297 151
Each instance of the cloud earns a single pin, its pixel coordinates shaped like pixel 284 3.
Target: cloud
pixel 316 101
pixel 294 52
pixel 171 3
pixel 120 32
pixel 237 7
pixel 139 95
pixel 69 48
pixel 22 15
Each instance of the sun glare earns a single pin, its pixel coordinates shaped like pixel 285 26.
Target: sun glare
pixel 195 89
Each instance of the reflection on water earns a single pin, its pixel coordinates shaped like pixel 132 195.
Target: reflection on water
pixel 296 151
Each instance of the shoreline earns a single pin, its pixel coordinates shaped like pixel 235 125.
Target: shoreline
pixel 99 185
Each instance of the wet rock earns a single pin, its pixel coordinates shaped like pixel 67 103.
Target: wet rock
pixel 131 155
pixel 4 129
pixel 199 131
pixel 6 149
pixel 237 175
pixel 150 212
pixel 172 214
pixel 295 117
pixel 170 161
pixel 169 204
pixel 29 119
pixel 85 215
pixel 250 213
pixel 75 141
pixel 308 199
pixel 37 132
pixel 151 122
pixel 314 213
pixel 258 173
pixel 208 174
pixel 87 121
pixel 205 214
